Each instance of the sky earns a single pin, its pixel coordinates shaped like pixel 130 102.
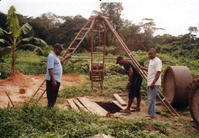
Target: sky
pixel 175 16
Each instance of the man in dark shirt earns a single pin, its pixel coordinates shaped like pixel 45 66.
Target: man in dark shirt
pixel 134 83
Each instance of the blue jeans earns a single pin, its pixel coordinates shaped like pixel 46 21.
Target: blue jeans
pixel 151 93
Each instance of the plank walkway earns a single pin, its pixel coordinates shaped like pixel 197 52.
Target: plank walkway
pixel 92 106
pixel 83 103
pixel 80 106
pixel 119 99
pixel 72 104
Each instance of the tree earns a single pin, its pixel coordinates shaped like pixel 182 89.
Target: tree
pixel 130 34
pixel 113 11
pixel 148 28
pixel 13 39
pixel 193 29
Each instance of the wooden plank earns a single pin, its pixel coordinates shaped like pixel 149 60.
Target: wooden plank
pixel 118 104
pixel 80 105
pixel 119 99
pixel 72 104
pixel 65 107
pixel 92 106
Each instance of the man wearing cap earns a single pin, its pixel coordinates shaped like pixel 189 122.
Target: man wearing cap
pixel 54 74
pixel 134 83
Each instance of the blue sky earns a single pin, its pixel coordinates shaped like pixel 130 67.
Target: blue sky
pixel 173 15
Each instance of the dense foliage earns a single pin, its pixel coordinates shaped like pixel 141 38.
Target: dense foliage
pixel 37 121
pixel 53 28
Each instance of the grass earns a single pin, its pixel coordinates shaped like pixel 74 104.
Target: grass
pixel 112 84
pixel 38 121
pixel 27 62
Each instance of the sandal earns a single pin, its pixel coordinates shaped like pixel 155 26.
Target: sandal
pixel 125 111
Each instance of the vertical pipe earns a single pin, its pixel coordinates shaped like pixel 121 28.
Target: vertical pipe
pixel 91 64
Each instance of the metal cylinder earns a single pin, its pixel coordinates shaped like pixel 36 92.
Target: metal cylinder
pixel 194 101
pixel 177 85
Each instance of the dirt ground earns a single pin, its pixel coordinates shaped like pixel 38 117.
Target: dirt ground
pixel 21 87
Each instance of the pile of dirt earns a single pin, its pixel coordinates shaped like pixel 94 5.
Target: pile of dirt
pixel 18 79
pixel 21 87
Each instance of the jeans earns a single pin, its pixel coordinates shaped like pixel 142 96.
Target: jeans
pixel 151 93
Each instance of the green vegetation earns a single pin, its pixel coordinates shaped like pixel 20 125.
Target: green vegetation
pixel 16 37
pixel 38 121
pixel 27 63
pixel 112 84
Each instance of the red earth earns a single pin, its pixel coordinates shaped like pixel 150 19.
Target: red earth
pixel 20 87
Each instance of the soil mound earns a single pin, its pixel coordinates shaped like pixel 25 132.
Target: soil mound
pixel 18 79
pixel 21 87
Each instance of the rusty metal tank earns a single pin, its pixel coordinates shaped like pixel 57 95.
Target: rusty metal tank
pixel 177 83
pixel 194 101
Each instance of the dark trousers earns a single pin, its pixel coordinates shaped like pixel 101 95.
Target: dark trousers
pixel 52 92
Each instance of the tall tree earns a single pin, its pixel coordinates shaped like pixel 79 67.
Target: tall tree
pixel 113 11
pixel 130 34
pixel 192 29
pixel 148 28
pixel 13 38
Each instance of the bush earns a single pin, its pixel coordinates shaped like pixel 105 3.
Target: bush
pixel 38 121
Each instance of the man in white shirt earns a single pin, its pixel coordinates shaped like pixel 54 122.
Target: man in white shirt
pixel 153 80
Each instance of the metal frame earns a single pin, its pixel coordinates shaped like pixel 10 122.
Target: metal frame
pixel 89 27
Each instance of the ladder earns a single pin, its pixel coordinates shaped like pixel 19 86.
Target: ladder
pixel 40 88
pixel 79 37
pixel 71 49
pixel 88 27
pixel 142 72
pixel 96 67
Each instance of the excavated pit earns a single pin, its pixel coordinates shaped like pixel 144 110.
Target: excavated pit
pixel 109 106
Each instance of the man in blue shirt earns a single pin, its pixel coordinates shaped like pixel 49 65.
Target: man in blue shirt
pixel 54 74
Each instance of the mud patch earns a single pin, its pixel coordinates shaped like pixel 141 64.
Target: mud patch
pixel 22 91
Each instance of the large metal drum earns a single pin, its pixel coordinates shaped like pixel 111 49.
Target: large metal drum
pixel 177 83
pixel 194 102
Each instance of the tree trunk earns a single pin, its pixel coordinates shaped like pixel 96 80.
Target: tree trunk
pixel 13 57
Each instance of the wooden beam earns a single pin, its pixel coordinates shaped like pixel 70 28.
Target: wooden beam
pixel 80 106
pixel 119 99
pixel 118 104
pixel 72 104
pixel 92 106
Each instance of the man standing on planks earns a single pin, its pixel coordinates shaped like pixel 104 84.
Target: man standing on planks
pixel 153 80
pixel 54 73
pixel 134 83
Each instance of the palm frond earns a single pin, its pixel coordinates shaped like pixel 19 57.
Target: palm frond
pixel 35 48
pixel 26 28
pixel 27 40
pixel 39 41
pixel 2 41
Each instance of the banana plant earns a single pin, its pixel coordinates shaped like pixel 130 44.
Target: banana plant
pixel 13 39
